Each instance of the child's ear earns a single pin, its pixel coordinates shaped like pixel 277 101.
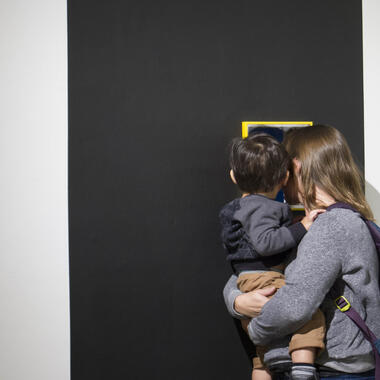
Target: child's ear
pixel 232 175
pixel 286 178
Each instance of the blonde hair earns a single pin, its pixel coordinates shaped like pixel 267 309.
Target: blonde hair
pixel 326 161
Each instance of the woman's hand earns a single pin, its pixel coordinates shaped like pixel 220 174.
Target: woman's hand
pixel 251 303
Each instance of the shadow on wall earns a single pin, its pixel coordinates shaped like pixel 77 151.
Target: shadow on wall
pixel 373 198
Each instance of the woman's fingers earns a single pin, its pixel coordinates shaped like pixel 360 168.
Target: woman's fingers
pixel 267 291
pixel 251 303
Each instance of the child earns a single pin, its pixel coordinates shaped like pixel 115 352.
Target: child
pixel 257 234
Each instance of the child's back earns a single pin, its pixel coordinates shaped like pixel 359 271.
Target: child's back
pixel 263 232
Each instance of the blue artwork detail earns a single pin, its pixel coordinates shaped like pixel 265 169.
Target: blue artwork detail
pixel 277 133
pixel 280 196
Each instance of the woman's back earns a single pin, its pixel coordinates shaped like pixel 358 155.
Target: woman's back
pixel 358 282
pixel 336 257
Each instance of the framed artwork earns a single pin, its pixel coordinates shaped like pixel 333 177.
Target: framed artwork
pixel 274 128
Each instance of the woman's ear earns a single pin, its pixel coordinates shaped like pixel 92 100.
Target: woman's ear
pixel 232 175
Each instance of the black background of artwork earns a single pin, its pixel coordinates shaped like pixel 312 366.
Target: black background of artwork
pixel 156 91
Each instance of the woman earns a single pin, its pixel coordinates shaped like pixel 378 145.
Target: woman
pixel 336 257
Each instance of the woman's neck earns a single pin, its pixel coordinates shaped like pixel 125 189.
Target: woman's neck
pixel 323 198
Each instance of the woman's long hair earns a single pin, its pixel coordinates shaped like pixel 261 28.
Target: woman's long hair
pixel 327 162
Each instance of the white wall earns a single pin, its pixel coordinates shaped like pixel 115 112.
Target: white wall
pixel 34 282
pixel 371 71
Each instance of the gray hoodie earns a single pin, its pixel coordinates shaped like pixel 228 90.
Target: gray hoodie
pixel 257 233
pixel 336 257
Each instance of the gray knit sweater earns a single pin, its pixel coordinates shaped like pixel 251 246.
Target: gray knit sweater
pixel 336 257
pixel 265 234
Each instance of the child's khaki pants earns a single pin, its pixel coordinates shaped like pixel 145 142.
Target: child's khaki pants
pixel 312 334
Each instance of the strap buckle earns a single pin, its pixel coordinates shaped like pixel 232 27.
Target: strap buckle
pixel 342 304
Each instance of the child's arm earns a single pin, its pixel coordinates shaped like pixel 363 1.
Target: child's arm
pixel 270 232
pixel 269 237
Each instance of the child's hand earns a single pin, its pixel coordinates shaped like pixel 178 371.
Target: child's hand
pixel 310 216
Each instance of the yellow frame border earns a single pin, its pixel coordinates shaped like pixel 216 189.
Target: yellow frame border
pixel 245 124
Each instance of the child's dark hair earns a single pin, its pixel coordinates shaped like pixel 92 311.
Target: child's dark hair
pixel 259 163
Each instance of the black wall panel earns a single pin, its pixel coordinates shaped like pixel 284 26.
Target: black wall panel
pixel 156 91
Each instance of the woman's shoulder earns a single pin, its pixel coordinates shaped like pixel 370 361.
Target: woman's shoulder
pixel 338 224
pixel 338 217
pixel 335 236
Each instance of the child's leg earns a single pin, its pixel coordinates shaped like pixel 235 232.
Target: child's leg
pixel 303 364
pixel 304 347
pixel 261 374
pixel 244 324
pixel 259 371
pixel 308 341
pixel 253 281
pixel 304 355
pixel 303 371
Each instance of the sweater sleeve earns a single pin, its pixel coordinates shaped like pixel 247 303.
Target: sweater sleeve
pixel 230 292
pixel 308 279
pixel 269 235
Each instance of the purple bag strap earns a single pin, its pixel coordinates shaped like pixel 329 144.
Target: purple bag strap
pixel 343 205
pixel 344 306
